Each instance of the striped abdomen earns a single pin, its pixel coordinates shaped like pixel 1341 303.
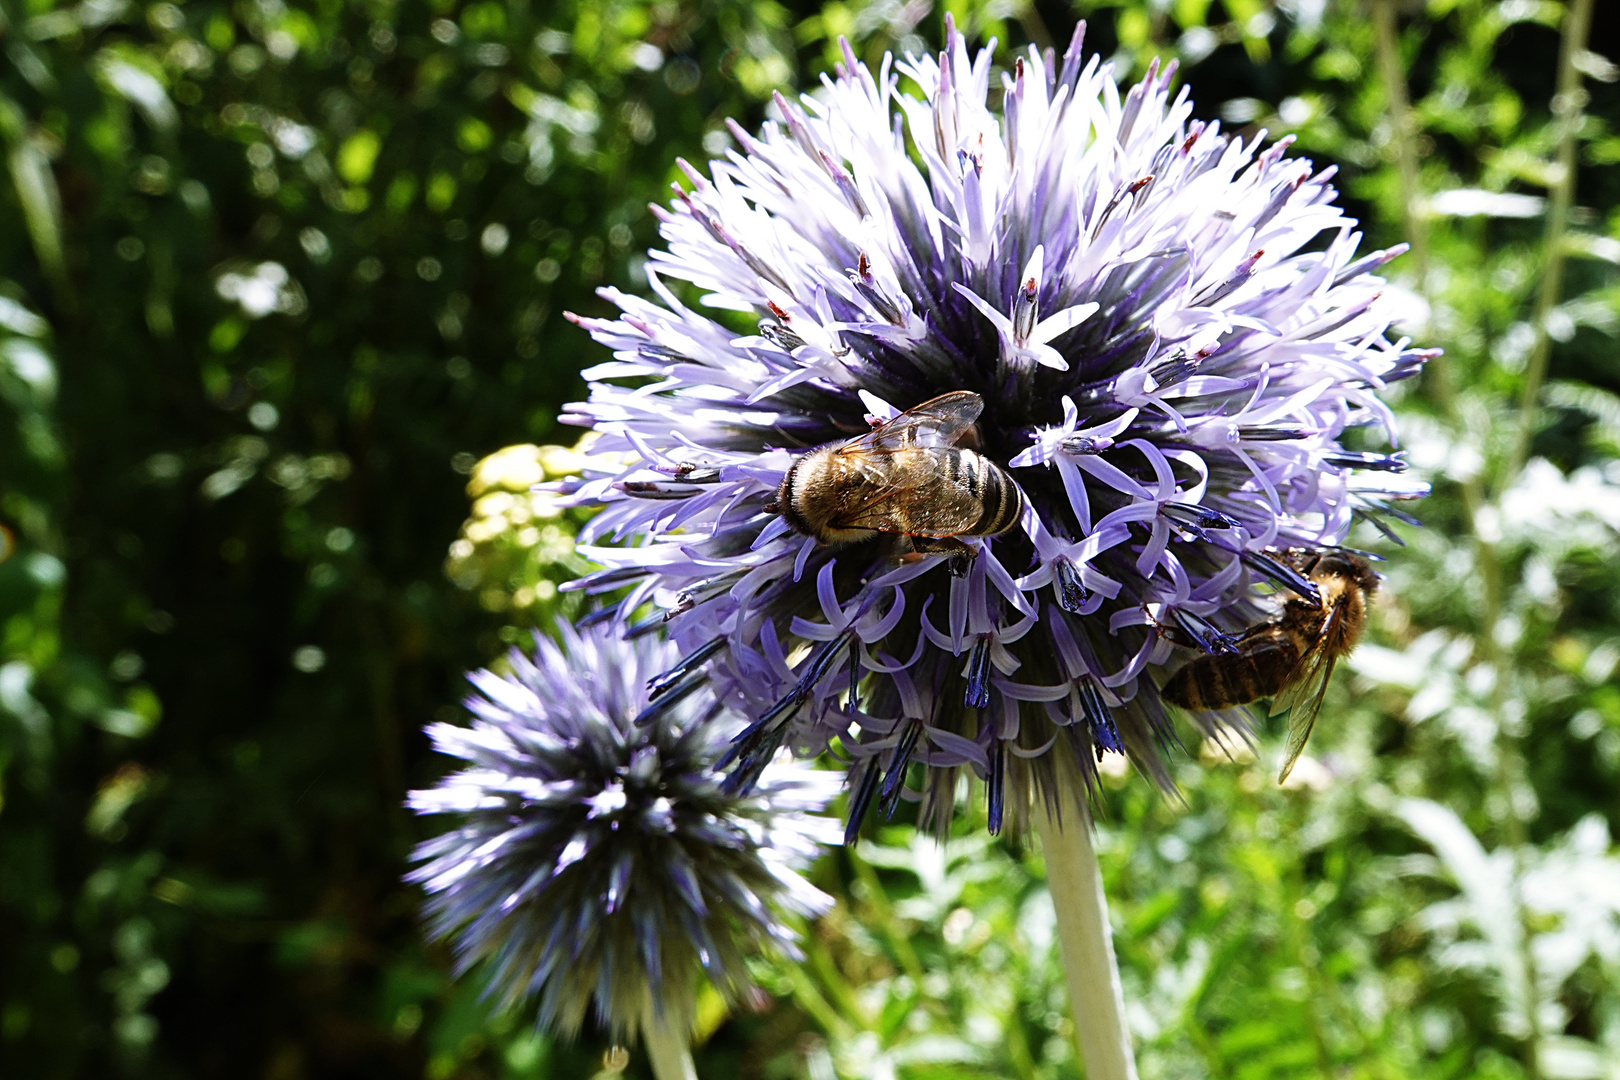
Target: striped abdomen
pixel 1259 668
pixel 990 485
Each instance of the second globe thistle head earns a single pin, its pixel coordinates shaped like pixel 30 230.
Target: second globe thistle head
pixel 596 864
pixel 1172 335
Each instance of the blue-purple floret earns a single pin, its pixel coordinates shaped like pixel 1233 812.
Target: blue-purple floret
pixel 596 862
pixel 1172 334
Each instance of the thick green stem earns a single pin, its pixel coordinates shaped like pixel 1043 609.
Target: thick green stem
pixel 1095 997
pixel 666 1047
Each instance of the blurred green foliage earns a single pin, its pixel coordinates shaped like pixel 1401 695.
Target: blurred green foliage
pixel 276 276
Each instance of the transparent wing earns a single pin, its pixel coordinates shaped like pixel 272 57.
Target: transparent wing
pixel 1302 695
pixel 923 502
pixel 938 422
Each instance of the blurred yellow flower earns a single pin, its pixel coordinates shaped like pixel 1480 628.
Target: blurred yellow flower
pixel 517 546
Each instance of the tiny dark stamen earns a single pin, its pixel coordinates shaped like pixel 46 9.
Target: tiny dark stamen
pixel 978 681
pixel 751 751
pixel 1026 309
pixel 600 616
pixel 753 747
pixel 1177 367
pixel 1072 594
pixel 659 683
pixel 1402 516
pixel 673 694
pixel 654 489
pixel 1350 459
pixel 1195 518
pixel 1222 289
pixel 860 800
pixel 650 625
pixel 1281 573
pixel 996 785
pixel 1410 363
pixel 1272 434
pixel 894 781
pixel 1368 264
pixel 607 579
pixel 780 336
pixel 1209 639
pixel 1085 444
pixel 689 472
pixel 1100 719
pixel 855 676
pixel 1113 204
pixel 1377 522
pixel 1094 394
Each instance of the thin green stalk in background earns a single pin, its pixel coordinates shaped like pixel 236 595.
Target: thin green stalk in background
pixel 37 194
pixel 1567 109
pixel 1567 106
pixel 883 914
pixel 808 996
pixel 1393 71
pixel 837 988
pixel 1414 219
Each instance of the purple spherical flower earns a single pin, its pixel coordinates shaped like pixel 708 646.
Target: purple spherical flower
pixel 1170 330
pixel 598 860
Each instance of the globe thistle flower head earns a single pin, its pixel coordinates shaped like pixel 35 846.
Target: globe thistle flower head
pixel 596 861
pixel 1171 333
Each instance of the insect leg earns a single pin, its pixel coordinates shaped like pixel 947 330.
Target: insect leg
pixel 961 556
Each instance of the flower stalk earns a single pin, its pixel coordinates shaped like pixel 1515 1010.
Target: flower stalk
pixel 1096 999
pixel 666 1047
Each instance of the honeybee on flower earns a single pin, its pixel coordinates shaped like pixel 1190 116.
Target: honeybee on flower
pixel 1166 333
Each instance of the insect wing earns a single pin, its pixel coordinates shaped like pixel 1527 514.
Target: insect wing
pixel 1302 695
pixel 893 514
pixel 924 503
pixel 938 422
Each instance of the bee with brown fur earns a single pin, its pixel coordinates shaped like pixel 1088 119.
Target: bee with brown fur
pixel 906 476
pixel 1289 658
